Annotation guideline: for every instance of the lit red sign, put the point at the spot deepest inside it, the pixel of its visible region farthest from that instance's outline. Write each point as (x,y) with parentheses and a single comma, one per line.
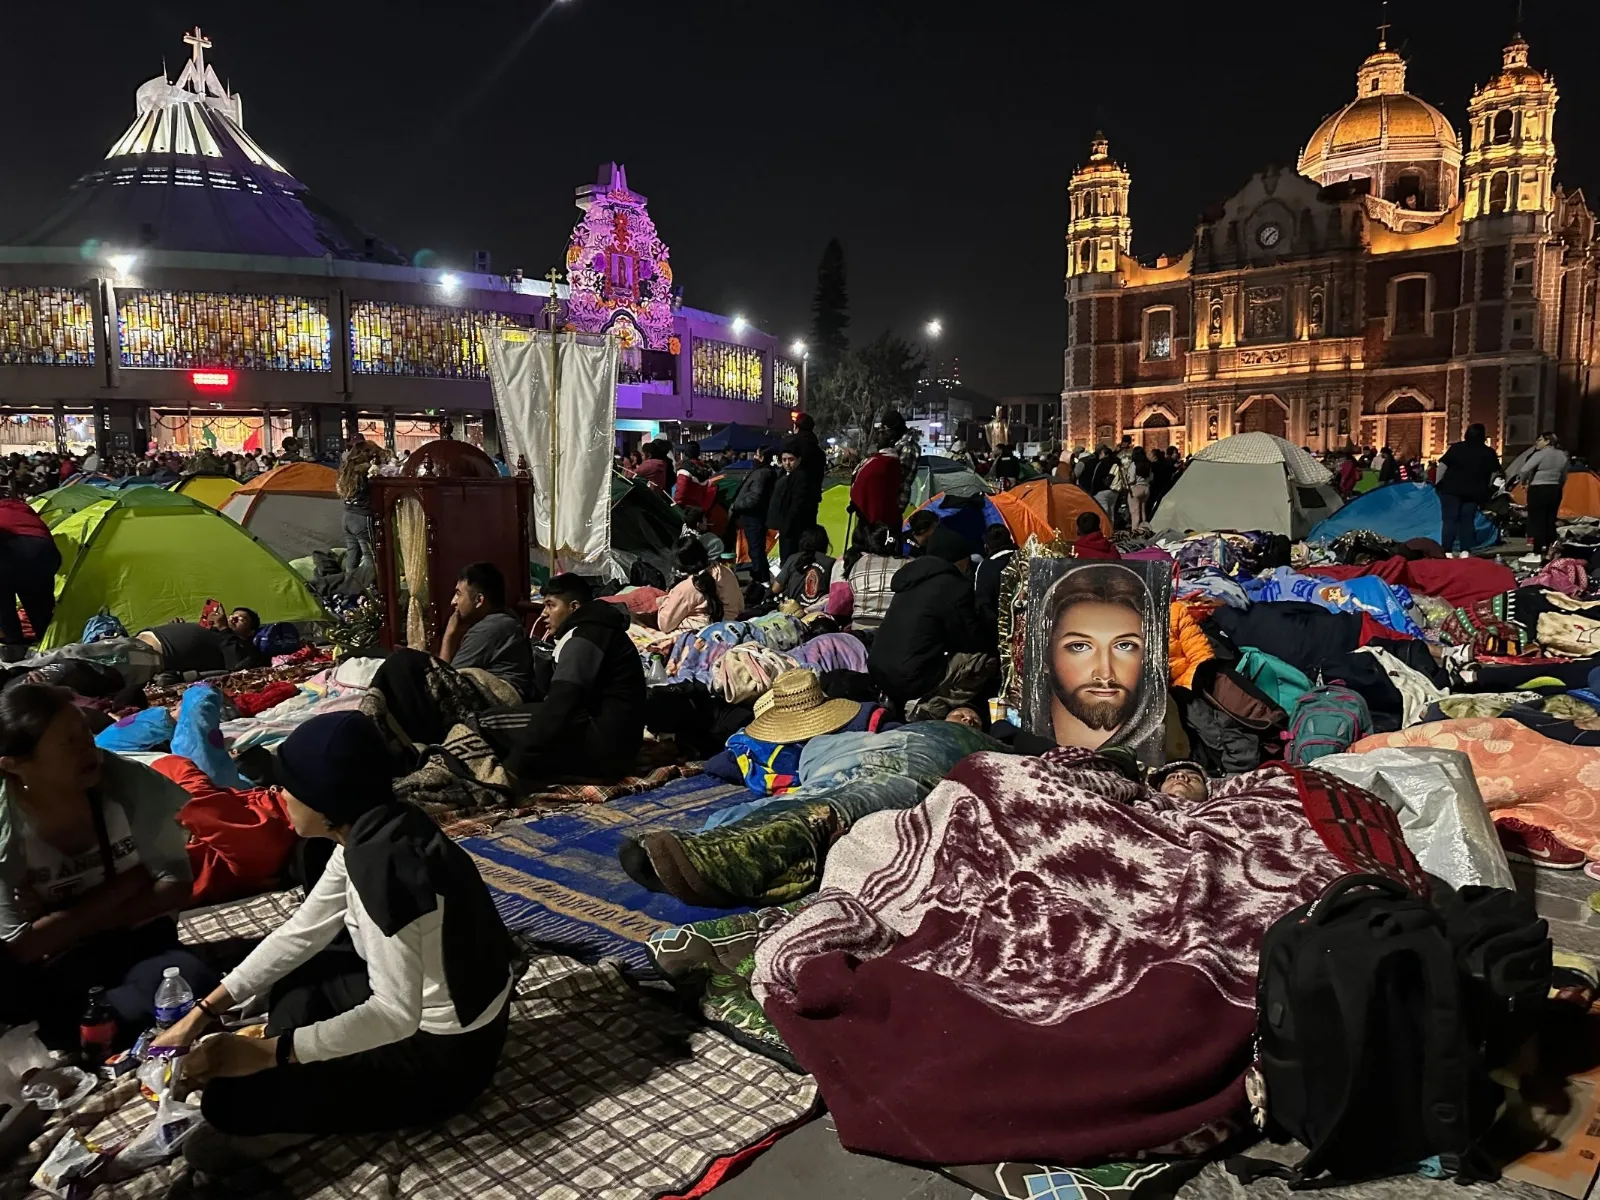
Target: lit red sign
(212,381)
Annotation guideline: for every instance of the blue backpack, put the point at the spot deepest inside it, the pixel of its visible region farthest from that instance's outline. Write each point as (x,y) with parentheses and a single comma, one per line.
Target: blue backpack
(1327,720)
(101,626)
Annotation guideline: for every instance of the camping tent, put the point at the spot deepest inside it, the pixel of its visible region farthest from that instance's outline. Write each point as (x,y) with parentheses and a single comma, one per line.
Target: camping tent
(1046,507)
(1399,512)
(953,477)
(293,508)
(740,438)
(56,506)
(211,490)
(150,556)
(1579,498)
(1040,508)
(1249,481)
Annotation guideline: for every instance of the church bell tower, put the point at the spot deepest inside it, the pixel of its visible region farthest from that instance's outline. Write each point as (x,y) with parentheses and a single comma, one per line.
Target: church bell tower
(1511,165)
(1099,229)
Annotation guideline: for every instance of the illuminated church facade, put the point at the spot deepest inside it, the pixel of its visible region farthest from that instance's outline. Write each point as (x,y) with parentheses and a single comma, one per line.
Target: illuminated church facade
(1399,286)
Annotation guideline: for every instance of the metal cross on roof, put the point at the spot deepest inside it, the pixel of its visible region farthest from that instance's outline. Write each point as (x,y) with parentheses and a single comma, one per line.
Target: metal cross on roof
(201,44)
(1383,28)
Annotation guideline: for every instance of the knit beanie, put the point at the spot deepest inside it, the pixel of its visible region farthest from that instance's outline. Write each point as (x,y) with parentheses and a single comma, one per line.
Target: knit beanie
(338,765)
(947,544)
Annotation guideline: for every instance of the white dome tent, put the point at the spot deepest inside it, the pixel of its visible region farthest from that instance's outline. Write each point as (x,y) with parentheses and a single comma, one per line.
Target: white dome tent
(1249,481)
(293,508)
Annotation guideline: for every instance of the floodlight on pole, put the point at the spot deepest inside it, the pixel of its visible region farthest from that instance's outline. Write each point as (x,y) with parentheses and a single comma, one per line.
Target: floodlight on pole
(798,349)
(740,324)
(934,328)
(123,263)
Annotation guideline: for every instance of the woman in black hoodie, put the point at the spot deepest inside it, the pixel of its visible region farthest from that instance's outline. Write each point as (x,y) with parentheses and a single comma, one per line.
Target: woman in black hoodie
(401,1025)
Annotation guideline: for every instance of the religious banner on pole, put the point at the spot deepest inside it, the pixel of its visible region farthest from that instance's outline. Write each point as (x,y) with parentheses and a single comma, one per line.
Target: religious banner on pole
(555,400)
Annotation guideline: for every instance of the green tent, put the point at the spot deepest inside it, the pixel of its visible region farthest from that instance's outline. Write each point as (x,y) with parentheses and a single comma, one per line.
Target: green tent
(152,556)
(642,521)
(57,505)
(833,515)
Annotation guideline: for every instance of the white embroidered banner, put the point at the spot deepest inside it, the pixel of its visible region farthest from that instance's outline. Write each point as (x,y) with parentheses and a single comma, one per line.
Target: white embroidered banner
(568,444)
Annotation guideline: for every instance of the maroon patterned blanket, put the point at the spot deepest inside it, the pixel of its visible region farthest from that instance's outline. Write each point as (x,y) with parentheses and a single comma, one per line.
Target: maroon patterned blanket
(1048,962)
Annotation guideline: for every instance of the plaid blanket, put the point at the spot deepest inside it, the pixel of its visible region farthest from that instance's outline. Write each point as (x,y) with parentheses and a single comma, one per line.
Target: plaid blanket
(559,797)
(602,1091)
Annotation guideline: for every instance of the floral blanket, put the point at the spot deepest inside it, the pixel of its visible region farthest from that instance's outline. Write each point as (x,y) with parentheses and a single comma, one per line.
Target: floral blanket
(1066,957)
(1521,773)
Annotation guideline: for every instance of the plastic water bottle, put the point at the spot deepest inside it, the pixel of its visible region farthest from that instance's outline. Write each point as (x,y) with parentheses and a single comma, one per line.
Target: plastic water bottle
(174,999)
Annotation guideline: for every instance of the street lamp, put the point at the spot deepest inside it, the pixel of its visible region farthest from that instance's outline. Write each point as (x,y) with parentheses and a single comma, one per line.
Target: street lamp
(450,283)
(798,349)
(123,263)
(934,328)
(740,324)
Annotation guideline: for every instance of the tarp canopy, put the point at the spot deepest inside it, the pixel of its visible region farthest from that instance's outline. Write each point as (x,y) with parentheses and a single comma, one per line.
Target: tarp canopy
(1579,498)
(56,506)
(152,556)
(1216,495)
(1399,512)
(293,508)
(935,474)
(211,490)
(740,438)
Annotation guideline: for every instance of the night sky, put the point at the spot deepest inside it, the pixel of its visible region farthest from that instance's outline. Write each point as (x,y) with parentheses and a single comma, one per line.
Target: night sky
(933,138)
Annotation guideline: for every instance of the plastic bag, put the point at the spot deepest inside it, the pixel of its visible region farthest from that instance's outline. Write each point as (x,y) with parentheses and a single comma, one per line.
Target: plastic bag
(1442,814)
(70,1161)
(161,1139)
(157,1074)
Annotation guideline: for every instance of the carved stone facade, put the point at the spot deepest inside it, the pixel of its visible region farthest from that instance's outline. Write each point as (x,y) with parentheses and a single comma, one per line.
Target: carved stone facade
(1361,301)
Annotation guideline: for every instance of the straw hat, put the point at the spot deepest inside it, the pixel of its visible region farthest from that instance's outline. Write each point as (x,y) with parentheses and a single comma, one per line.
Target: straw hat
(796,709)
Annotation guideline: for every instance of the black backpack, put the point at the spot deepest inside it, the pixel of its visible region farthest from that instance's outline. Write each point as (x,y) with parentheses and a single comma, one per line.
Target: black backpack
(1373,1015)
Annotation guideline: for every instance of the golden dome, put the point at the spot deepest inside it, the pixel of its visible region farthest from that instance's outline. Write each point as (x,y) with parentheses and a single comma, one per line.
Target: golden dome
(1383,117)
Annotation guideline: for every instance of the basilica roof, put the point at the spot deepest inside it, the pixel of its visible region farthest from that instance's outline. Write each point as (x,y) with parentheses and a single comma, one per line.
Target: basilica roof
(1384,121)
(185,176)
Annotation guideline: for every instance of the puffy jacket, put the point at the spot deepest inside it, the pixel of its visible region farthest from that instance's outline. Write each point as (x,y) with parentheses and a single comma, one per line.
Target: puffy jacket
(1469,471)
(754,494)
(931,617)
(1187,645)
(875,491)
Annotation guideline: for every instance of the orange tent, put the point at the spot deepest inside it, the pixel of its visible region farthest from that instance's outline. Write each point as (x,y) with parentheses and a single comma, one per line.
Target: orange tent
(1579,498)
(1046,507)
(293,508)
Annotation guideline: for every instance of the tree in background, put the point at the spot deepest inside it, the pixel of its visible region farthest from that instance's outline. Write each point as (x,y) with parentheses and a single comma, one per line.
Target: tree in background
(866,383)
(830,314)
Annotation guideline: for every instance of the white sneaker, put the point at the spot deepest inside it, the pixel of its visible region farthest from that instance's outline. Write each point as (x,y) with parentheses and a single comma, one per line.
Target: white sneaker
(1531,560)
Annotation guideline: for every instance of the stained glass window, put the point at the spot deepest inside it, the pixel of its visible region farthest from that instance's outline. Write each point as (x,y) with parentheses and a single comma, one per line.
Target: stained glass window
(416,339)
(724,371)
(214,329)
(785,383)
(45,326)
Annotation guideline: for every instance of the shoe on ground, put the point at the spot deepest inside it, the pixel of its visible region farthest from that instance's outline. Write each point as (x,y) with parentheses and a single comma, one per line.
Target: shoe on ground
(216,1153)
(1531,843)
(1531,560)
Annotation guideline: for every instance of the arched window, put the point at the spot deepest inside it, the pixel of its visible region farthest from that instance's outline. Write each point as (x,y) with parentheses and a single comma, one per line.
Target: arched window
(1499,190)
(1086,255)
(1501,130)
(1406,191)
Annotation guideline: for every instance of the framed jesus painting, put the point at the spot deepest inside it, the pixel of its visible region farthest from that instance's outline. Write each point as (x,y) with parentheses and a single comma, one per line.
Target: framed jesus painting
(1095,653)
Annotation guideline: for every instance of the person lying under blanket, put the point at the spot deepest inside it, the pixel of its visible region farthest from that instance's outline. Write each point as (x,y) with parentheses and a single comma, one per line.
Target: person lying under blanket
(400,1025)
(189,647)
(92,866)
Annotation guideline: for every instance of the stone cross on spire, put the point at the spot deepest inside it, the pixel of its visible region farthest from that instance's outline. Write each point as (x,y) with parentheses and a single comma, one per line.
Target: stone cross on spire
(201,44)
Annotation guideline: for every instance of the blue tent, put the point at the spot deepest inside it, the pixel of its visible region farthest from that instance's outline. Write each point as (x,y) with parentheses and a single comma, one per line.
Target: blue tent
(1399,512)
(740,438)
(969,516)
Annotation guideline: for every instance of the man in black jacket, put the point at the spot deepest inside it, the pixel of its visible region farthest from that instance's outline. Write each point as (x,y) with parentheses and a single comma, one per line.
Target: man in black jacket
(791,511)
(749,512)
(591,721)
(1465,485)
(929,656)
(998,550)
(813,465)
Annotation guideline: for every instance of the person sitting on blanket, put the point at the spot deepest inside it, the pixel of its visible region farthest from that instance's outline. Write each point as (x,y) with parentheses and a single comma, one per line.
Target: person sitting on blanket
(482,634)
(388,990)
(591,721)
(92,866)
(930,657)
(189,647)
(708,591)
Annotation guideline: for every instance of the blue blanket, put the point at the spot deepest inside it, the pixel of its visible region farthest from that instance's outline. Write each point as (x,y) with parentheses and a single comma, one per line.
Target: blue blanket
(557,879)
